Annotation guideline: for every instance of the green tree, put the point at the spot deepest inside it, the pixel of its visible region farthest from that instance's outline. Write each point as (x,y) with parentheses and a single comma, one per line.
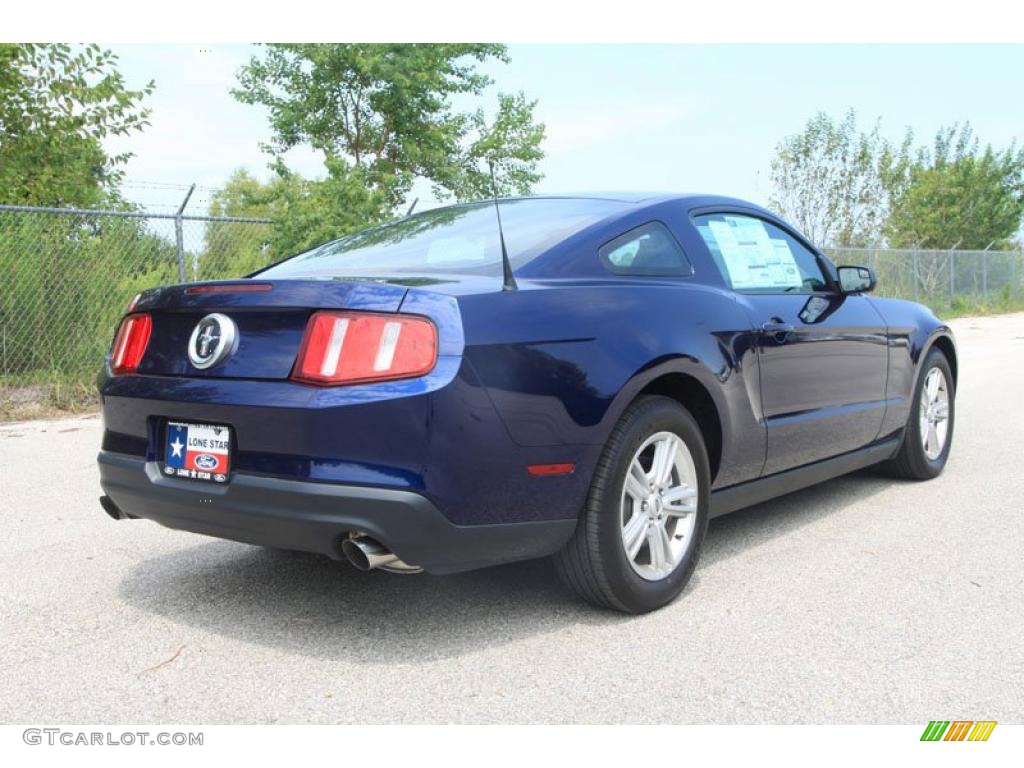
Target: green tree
(57,104)
(956,194)
(304,212)
(510,143)
(383,117)
(828,180)
(231,249)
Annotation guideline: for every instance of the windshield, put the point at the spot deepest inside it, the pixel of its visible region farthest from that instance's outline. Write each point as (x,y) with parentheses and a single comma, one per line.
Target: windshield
(456,240)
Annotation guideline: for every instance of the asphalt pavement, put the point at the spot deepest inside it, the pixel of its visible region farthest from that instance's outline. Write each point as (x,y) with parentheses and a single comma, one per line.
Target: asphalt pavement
(862,600)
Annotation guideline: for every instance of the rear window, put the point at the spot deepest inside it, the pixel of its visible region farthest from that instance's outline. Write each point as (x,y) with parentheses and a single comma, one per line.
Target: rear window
(456,240)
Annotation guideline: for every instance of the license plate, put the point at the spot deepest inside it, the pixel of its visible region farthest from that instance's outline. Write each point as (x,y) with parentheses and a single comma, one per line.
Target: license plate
(198,451)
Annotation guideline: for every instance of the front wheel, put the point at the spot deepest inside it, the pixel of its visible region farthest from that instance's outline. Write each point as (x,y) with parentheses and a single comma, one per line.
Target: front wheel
(929,432)
(639,536)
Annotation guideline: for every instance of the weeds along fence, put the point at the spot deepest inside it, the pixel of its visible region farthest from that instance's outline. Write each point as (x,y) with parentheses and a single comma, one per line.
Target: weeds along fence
(66,277)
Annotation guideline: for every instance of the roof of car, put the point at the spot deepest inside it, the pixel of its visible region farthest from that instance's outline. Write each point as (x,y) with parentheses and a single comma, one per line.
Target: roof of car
(641,199)
(696,199)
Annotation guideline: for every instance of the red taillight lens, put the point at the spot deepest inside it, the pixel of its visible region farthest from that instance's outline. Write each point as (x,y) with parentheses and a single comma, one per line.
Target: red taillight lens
(130,343)
(360,347)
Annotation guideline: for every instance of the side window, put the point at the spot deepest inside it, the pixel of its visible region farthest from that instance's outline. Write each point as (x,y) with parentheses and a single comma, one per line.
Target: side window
(757,256)
(649,250)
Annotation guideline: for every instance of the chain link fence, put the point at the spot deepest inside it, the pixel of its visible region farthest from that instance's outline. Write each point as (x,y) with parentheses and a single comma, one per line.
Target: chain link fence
(955,281)
(66,277)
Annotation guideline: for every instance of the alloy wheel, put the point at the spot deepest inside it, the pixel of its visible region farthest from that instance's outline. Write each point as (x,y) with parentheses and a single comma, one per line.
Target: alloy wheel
(659,506)
(934,413)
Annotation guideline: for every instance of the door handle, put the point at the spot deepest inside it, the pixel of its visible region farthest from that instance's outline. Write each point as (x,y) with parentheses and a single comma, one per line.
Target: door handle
(777,326)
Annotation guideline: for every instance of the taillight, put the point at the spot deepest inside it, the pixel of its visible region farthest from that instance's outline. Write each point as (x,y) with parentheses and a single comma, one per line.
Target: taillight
(360,347)
(130,343)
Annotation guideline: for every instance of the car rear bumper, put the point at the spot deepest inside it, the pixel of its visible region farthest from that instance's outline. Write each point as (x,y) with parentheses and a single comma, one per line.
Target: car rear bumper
(317,517)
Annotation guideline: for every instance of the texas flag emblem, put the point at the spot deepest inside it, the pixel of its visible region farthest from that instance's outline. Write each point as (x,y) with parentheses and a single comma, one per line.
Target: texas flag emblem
(199,451)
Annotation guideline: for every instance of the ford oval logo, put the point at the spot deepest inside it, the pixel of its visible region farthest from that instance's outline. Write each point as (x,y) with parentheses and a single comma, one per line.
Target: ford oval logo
(213,339)
(206,461)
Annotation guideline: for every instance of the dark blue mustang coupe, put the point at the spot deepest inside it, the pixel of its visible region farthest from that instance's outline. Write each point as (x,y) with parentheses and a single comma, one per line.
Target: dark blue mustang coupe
(589,377)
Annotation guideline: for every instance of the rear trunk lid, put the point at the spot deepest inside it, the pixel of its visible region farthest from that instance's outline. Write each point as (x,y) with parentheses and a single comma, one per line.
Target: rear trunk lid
(270,315)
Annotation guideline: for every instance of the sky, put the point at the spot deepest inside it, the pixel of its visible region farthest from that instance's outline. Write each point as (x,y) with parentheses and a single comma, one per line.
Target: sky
(680,118)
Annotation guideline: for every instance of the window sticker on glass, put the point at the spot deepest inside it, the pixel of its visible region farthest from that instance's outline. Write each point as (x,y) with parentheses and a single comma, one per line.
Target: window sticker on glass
(753,258)
(785,271)
(732,255)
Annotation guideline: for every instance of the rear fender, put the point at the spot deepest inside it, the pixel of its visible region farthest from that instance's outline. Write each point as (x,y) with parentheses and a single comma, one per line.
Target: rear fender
(737,409)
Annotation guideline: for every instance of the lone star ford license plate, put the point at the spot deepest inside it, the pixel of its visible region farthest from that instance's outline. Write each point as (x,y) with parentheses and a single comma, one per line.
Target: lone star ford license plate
(198,451)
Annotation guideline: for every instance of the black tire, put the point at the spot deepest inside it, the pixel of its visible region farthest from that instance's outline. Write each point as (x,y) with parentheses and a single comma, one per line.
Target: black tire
(912,462)
(594,563)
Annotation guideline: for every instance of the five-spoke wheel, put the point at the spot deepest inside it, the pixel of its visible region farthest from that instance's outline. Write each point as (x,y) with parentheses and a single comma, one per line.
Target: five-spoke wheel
(639,537)
(929,431)
(934,413)
(659,505)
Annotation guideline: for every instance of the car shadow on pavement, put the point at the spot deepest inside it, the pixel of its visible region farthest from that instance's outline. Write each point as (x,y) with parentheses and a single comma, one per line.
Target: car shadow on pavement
(311,605)
(747,529)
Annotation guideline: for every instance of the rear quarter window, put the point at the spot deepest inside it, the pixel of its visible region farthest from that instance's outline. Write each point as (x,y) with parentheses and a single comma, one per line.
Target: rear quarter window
(648,250)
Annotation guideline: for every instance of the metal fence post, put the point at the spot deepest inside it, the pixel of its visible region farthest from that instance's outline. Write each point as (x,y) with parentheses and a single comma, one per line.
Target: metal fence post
(984,269)
(952,271)
(179,234)
(1013,275)
(915,274)
(984,274)
(952,277)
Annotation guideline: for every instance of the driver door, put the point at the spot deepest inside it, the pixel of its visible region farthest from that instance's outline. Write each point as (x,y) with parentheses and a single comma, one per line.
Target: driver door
(823,354)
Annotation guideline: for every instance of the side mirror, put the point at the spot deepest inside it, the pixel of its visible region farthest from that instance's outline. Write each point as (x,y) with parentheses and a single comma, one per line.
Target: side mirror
(857,279)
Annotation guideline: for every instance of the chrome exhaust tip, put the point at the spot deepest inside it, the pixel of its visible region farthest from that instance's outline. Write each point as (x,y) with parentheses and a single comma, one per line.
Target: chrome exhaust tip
(368,554)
